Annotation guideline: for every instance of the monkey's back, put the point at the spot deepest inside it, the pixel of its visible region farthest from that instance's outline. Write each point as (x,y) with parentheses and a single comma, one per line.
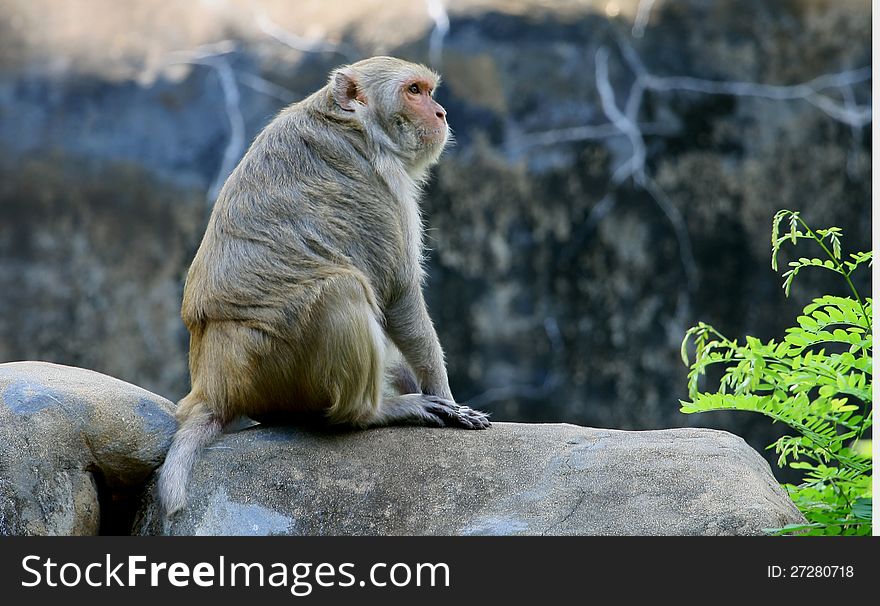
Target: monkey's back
(304,204)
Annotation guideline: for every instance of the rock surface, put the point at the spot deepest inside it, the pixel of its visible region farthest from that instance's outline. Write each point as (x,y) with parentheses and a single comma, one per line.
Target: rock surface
(513,479)
(70,440)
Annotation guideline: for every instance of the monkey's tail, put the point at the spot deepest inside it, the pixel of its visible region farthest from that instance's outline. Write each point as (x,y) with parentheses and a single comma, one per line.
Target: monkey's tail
(199,428)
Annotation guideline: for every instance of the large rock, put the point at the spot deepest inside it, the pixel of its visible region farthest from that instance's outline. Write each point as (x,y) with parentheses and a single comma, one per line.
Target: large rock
(70,440)
(511,479)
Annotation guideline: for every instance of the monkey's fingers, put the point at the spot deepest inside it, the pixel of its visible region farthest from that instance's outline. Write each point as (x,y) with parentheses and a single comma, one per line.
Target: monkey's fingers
(432,420)
(456,415)
(473,419)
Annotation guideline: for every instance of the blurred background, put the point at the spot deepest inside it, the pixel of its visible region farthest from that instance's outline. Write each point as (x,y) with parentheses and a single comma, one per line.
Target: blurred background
(616,169)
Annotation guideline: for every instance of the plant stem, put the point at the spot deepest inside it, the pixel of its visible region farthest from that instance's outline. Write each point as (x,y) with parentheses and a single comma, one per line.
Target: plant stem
(840,267)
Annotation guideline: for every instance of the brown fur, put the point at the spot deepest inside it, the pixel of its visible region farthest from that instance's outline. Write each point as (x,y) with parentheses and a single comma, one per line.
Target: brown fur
(306,290)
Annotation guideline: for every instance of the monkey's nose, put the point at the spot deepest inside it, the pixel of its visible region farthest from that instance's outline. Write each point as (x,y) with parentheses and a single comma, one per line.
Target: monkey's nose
(441,113)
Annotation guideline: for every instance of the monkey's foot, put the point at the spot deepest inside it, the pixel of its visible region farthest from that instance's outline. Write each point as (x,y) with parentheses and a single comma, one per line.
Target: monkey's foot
(456,415)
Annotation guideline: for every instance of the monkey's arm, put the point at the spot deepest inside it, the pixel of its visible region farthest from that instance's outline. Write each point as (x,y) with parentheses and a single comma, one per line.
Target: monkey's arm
(410,327)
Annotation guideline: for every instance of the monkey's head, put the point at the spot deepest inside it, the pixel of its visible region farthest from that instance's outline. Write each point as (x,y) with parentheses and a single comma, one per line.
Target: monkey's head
(393,100)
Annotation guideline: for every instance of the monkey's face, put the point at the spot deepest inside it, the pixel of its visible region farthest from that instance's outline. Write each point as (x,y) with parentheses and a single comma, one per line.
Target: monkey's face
(426,115)
(420,121)
(393,99)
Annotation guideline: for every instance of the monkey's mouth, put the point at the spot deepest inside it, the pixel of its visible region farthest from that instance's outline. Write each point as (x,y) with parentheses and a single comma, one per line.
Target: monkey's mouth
(433,136)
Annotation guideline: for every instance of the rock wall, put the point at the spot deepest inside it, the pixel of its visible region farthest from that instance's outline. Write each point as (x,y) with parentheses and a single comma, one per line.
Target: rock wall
(576,229)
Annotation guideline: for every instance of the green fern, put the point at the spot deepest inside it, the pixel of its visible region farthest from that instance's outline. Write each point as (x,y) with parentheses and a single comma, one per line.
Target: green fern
(817,380)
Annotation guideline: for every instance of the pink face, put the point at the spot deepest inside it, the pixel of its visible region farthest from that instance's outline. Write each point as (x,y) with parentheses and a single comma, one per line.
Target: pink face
(425,112)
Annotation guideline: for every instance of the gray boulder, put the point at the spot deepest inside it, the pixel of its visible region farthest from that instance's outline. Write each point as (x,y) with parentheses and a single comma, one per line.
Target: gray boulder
(513,479)
(67,435)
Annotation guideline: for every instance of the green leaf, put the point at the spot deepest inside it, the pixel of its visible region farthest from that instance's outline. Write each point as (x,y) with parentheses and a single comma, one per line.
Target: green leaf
(863,508)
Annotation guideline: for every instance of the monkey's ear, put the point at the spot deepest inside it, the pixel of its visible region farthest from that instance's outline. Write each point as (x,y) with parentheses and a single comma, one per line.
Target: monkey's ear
(345,91)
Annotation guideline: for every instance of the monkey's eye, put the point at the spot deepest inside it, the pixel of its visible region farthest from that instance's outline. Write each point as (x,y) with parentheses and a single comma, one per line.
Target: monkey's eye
(414,89)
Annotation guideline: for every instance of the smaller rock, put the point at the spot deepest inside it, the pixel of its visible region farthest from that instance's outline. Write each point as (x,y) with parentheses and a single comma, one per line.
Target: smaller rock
(65,434)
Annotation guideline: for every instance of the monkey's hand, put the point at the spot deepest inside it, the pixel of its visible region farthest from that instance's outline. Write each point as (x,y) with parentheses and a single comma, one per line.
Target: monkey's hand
(452,414)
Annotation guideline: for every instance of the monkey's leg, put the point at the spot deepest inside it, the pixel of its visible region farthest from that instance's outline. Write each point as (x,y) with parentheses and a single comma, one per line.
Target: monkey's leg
(403,401)
(349,365)
(342,350)
(428,410)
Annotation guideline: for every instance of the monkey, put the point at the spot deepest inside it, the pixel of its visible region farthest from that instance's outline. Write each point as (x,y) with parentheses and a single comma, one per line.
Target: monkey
(305,294)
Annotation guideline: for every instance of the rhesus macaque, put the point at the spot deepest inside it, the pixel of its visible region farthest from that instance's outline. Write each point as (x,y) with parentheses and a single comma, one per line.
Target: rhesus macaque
(306,288)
